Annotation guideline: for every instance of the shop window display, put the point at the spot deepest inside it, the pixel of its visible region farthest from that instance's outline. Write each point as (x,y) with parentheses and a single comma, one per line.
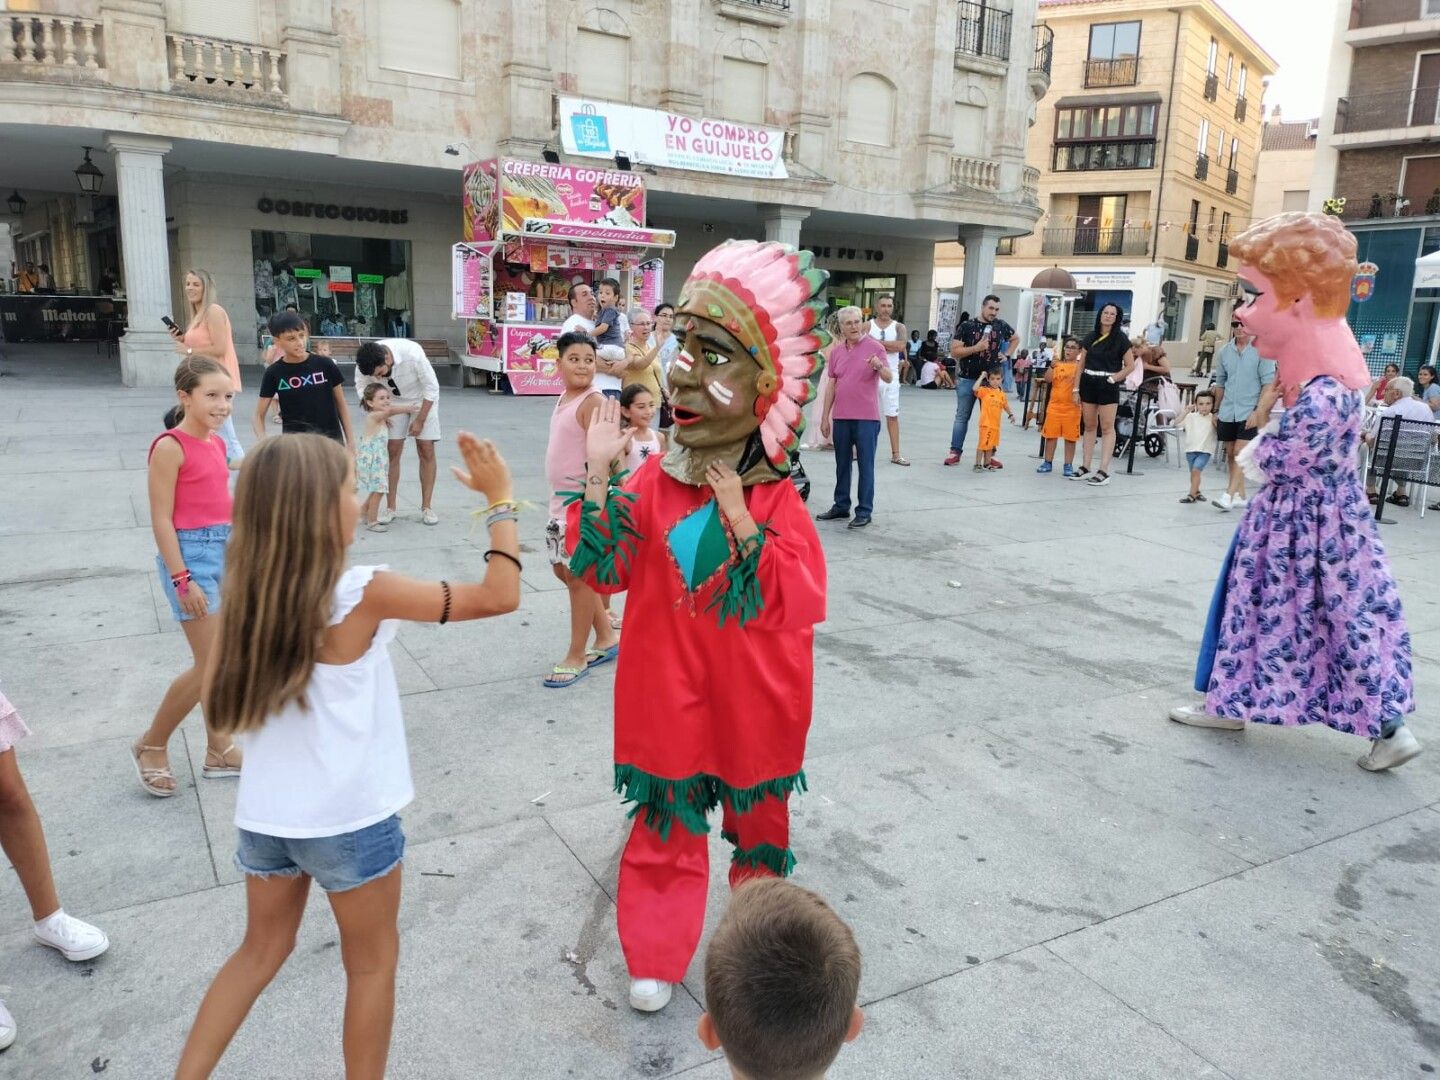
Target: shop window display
(342,286)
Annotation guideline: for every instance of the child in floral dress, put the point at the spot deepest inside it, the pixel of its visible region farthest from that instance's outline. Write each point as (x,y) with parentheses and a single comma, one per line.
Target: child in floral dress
(372,457)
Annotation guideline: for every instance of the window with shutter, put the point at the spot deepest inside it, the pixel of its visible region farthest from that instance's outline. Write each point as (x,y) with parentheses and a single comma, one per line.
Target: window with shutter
(969,130)
(229,20)
(742,90)
(421,37)
(870,110)
(602,65)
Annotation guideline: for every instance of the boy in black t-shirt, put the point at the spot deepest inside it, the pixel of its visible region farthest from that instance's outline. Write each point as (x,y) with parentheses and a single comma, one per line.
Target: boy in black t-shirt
(310,388)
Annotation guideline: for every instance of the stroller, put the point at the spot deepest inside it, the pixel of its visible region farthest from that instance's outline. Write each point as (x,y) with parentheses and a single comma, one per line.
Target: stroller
(1146,413)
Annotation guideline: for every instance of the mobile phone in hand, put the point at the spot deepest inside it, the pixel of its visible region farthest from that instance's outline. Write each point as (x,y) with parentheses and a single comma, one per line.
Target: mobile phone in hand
(170,324)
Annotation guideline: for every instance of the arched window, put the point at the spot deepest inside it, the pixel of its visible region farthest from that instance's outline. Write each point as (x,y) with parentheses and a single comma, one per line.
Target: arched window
(870,110)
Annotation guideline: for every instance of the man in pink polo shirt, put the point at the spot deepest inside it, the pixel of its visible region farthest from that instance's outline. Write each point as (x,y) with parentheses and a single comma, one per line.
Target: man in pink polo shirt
(855,368)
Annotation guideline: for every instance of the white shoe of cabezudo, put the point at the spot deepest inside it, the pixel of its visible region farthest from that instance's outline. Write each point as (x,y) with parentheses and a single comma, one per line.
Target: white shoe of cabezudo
(649,995)
(1198,717)
(1384,754)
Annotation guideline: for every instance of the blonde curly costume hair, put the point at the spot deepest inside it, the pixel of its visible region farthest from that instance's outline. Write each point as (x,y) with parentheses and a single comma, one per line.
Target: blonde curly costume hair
(1303,255)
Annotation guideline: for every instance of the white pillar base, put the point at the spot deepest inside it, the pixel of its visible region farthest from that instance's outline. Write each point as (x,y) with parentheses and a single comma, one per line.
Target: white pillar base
(148,358)
(782,223)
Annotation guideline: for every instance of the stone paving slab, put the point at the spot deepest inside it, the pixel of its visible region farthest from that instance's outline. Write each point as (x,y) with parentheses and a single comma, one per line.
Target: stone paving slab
(1027,849)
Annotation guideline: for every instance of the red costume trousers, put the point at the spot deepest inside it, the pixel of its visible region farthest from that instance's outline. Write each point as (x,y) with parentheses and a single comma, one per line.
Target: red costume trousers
(663,883)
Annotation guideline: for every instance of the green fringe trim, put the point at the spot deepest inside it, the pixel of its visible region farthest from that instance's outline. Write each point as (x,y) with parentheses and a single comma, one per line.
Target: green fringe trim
(596,550)
(779,861)
(663,802)
(740,596)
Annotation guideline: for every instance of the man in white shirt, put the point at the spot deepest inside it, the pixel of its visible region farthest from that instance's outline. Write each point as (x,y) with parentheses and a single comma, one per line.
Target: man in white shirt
(1400,400)
(891,336)
(583,309)
(1155,332)
(404,367)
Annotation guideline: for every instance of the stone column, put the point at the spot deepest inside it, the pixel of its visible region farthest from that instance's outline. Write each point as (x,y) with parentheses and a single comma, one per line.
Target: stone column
(681,92)
(979,242)
(782,223)
(147,351)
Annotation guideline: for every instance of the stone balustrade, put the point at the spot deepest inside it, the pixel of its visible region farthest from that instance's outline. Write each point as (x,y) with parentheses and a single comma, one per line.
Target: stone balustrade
(977,173)
(226,69)
(32,44)
(1031,185)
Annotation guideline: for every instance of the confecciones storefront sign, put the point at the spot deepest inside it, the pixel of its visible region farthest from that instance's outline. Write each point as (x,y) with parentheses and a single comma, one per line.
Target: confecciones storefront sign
(332,211)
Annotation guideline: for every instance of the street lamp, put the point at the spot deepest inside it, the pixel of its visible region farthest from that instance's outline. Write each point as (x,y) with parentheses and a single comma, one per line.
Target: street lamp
(91,178)
(16,203)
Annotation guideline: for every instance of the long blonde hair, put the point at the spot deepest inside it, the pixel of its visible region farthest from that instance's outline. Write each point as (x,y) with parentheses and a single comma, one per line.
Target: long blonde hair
(208,294)
(286,554)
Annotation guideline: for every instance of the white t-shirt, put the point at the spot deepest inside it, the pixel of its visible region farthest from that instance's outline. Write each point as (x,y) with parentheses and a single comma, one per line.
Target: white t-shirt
(928,371)
(1411,408)
(1199,434)
(341,765)
(603,380)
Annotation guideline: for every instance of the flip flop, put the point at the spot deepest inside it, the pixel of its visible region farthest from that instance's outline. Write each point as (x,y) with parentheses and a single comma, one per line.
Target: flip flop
(575,673)
(596,657)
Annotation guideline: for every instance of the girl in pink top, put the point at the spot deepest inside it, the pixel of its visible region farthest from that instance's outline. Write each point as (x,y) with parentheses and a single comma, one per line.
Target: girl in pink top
(565,471)
(207,334)
(190,514)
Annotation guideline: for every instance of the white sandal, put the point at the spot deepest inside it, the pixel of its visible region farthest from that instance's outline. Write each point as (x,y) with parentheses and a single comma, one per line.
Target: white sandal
(224,769)
(149,776)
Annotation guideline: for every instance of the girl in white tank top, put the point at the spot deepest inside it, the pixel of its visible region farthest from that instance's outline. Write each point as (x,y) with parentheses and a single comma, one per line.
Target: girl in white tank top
(637,410)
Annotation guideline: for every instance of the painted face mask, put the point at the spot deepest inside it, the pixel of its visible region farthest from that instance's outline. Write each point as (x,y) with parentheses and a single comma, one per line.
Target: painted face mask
(750,337)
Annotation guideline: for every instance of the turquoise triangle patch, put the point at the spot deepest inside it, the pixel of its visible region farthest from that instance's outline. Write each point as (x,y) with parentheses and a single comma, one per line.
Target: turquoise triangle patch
(699,545)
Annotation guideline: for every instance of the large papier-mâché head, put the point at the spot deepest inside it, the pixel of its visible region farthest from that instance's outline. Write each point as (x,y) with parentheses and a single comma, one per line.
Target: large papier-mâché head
(749,325)
(1298,270)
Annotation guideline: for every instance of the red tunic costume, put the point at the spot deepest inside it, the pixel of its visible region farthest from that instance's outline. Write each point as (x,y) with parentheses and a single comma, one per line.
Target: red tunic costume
(714,685)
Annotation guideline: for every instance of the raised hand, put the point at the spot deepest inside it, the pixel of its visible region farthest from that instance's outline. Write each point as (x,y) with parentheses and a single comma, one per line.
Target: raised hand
(485,470)
(605,439)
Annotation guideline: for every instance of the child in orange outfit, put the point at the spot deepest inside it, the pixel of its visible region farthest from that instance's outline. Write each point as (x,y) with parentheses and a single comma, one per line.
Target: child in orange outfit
(1062,414)
(992,402)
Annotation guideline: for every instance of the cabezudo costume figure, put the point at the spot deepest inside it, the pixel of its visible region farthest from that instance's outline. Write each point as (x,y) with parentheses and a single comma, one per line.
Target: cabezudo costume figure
(1305,626)
(726,581)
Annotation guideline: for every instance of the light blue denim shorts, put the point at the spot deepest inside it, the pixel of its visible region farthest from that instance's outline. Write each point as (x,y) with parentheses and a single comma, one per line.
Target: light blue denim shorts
(204,553)
(1197,460)
(337,863)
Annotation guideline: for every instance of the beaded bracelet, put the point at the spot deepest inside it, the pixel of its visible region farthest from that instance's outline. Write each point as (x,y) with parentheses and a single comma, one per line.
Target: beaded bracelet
(181,583)
(504,555)
(502,515)
(445,611)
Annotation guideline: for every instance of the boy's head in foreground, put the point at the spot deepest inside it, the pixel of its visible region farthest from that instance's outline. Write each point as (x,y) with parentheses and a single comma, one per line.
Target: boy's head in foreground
(782,977)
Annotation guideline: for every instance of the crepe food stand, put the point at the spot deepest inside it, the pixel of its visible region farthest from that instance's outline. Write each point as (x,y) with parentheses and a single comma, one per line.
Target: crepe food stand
(532,230)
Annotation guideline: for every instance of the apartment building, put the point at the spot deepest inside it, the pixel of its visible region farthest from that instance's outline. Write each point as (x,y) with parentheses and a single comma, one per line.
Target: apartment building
(1378,152)
(236,136)
(1285,166)
(1146,144)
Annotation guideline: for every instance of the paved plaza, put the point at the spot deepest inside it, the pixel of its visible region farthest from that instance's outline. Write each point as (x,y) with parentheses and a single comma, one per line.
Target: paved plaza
(1047,878)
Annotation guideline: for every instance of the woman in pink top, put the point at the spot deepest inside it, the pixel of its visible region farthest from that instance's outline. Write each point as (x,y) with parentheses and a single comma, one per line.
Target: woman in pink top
(565,471)
(190,515)
(207,334)
(855,367)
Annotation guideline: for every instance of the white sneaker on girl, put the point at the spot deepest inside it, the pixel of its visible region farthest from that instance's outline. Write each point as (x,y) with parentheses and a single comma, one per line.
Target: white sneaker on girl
(7,1027)
(72,938)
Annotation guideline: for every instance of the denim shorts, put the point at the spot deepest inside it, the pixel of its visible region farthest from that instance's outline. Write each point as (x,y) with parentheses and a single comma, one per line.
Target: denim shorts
(204,553)
(1197,460)
(336,863)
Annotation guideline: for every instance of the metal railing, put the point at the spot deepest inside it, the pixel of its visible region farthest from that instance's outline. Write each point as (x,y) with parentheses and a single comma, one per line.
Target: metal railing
(1044,50)
(1122,72)
(1212,86)
(1192,248)
(982,30)
(1202,166)
(1094,240)
(1417,107)
(1222,255)
(1232,181)
(978,173)
(772,5)
(228,68)
(54,43)
(1367,13)
(1241,107)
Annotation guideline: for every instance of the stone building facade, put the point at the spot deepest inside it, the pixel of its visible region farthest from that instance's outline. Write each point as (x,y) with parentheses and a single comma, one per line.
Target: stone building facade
(904,124)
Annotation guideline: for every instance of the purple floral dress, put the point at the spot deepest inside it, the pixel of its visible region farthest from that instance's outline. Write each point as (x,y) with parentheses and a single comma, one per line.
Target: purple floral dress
(1311,629)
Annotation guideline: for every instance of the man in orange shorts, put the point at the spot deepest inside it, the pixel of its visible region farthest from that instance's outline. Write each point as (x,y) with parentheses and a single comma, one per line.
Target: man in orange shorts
(1062,414)
(992,401)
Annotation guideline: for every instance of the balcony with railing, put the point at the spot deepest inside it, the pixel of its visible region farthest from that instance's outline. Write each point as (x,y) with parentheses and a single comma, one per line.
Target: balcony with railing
(1232,181)
(1241,108)
(1222,255)
(1202,167)
(1030,185)
(981,31)
(1044,51)
(978,174)
(1212,86)
(1378,119)
(760,12)
(57,48)
(1096,240)
(226,70)
(1192,248)
(1372,14)
(1124,71)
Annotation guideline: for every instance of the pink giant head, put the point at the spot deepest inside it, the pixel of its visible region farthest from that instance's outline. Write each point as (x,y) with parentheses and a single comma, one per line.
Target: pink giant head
(1301,266)
(749,325)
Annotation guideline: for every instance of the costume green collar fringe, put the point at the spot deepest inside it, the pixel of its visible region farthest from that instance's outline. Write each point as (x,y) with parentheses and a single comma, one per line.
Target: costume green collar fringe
(663,802)
(779,861)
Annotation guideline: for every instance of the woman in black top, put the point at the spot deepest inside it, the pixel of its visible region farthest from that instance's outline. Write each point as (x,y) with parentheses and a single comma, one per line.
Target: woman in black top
(1105,362)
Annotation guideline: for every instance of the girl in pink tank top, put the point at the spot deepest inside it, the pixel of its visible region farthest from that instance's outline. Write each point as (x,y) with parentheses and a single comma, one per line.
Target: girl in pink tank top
(190,515)
(565,471)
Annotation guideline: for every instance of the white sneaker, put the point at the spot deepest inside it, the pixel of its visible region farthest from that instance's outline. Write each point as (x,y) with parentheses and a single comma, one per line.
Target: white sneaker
(385,516)
(429,517)
(1390,753)
(649,995)
(1198,717)
(1239,502)
(378,526)
(1224,502)
(72,938)
(7,1027)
